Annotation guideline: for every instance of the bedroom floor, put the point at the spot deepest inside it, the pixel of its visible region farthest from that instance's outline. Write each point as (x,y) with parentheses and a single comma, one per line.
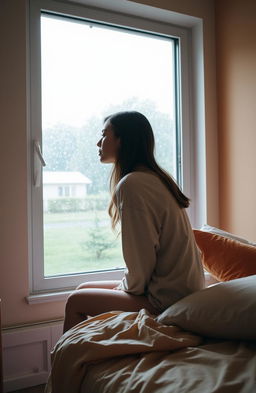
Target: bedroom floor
(33,389)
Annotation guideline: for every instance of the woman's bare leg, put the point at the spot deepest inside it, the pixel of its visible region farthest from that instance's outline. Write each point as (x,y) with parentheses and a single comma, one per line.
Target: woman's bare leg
(109,284)
(90,300)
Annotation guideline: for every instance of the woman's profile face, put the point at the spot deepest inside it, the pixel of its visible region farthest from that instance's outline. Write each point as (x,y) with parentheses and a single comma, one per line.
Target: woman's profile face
(108,144)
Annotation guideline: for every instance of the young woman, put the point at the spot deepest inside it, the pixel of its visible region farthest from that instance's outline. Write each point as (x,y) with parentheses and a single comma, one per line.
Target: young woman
(162,259)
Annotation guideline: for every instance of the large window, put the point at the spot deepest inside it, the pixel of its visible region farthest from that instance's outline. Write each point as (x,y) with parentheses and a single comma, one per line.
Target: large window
(84,69)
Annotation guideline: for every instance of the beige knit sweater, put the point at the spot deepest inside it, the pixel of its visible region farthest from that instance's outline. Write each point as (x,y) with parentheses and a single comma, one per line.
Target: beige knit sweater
(162,259)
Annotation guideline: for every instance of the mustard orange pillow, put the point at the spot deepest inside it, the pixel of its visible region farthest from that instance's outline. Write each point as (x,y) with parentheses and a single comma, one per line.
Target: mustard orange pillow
(225,259)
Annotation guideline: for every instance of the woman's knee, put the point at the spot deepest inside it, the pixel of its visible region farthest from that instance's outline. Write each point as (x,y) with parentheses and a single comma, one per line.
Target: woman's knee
(79,301)
(91,284)
(109,284)
(73,302)
(84,285)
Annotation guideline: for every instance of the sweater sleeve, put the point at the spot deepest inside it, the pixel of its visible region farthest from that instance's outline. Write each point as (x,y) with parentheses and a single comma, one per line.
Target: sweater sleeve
(140,240)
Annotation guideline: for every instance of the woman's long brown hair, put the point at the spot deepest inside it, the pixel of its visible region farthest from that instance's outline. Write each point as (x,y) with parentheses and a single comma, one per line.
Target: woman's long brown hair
(136,150)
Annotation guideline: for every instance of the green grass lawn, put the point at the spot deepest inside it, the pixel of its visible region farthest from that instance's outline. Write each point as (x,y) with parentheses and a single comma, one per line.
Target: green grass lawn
(66,243)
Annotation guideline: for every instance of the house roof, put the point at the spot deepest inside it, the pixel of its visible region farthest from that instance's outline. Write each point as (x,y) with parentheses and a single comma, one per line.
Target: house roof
(65,178)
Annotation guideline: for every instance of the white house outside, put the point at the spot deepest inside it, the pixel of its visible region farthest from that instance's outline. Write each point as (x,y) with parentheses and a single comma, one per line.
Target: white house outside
(58,185)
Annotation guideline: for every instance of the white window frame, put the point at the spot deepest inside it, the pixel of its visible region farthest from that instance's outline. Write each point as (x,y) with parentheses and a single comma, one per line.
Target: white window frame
(39,283)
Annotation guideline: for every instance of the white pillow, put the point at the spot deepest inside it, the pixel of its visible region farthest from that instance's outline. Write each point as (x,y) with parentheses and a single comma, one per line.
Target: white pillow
(225,310)
(217,231)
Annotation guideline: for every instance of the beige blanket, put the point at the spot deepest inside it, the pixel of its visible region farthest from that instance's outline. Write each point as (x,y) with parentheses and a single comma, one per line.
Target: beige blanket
(215,366)
(108,336)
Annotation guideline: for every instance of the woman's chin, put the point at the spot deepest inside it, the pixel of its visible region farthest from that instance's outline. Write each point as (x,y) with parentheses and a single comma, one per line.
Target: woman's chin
(105,160)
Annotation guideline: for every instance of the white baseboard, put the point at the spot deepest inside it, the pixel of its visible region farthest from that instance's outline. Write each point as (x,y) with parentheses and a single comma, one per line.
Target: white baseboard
(26,354)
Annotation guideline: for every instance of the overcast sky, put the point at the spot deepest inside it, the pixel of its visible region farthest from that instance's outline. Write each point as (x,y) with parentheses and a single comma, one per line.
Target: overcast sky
(86,68)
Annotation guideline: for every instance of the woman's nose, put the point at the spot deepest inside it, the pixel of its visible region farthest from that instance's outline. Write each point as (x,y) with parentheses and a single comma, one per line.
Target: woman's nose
(99,143)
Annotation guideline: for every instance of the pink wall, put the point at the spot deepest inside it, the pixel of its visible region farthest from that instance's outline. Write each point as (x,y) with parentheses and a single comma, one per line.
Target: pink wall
(14,278)
(236,71)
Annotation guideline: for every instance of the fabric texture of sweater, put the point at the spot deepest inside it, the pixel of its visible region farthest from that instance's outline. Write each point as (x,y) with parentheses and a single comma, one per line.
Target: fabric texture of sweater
(159,249)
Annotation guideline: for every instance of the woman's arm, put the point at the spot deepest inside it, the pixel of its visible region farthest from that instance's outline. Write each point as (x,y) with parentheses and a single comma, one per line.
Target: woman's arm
(139,243)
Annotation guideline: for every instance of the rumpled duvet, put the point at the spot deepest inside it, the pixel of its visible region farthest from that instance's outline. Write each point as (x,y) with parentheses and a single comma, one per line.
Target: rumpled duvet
(109,336)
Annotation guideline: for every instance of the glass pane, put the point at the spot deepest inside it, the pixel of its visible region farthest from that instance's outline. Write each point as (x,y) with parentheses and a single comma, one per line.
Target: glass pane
(88,72)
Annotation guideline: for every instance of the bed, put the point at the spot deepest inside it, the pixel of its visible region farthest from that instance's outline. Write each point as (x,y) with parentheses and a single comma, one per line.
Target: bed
(206,342)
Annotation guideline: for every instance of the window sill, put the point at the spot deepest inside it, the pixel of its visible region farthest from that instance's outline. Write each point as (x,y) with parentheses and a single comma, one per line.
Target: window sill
(48,297)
